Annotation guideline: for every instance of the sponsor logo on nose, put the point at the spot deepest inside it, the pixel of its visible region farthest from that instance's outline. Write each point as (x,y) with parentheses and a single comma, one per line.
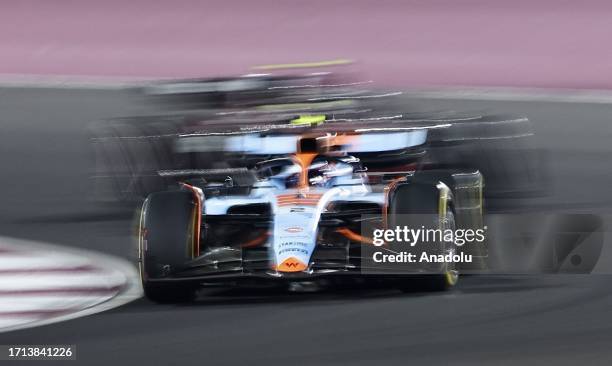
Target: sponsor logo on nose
(291,264)
(294,229)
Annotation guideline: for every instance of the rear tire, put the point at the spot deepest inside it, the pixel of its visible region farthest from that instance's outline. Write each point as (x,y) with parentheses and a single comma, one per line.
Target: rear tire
(434,282)
(166,242)
(421,202)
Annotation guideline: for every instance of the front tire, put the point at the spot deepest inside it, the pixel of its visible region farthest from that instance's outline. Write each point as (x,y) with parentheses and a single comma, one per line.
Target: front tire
(166,240)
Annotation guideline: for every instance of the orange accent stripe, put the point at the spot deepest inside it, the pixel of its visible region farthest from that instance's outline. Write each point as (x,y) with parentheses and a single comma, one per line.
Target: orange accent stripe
(198,219)
(298,197)
(305,195)
(351,235)
(298,204)
(257,241)
(300,200)
(304,160)
(387,190)
(308,199)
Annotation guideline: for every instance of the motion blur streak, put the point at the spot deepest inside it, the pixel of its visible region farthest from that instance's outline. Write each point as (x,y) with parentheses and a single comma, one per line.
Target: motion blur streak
(543,43)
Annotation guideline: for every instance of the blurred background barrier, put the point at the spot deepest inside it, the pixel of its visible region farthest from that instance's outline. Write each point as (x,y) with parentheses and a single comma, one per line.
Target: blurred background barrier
(523,43)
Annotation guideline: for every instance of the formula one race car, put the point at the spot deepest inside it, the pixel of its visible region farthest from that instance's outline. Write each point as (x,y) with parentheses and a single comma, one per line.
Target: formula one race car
(305,211)
(288,178)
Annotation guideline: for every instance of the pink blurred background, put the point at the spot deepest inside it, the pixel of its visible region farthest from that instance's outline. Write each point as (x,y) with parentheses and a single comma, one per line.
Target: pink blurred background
(524,43)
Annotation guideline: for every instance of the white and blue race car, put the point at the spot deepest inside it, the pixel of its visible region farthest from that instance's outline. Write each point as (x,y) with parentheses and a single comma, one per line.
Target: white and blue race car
(306,210)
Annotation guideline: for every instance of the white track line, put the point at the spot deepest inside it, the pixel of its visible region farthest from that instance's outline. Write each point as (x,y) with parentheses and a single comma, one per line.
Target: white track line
(17,323)
(43,283)
(19,260)
(104,279)
(51,303)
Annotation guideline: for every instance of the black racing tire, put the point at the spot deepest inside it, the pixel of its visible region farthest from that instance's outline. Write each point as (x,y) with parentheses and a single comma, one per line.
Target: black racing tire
(169,293)
(433,282)
(166,239)
(420,201)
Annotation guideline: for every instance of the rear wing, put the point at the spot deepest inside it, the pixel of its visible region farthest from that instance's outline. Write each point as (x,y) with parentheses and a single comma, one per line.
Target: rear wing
(373,140)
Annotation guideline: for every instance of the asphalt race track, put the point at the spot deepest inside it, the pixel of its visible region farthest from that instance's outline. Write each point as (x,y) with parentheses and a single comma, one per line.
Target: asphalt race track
(45,162)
